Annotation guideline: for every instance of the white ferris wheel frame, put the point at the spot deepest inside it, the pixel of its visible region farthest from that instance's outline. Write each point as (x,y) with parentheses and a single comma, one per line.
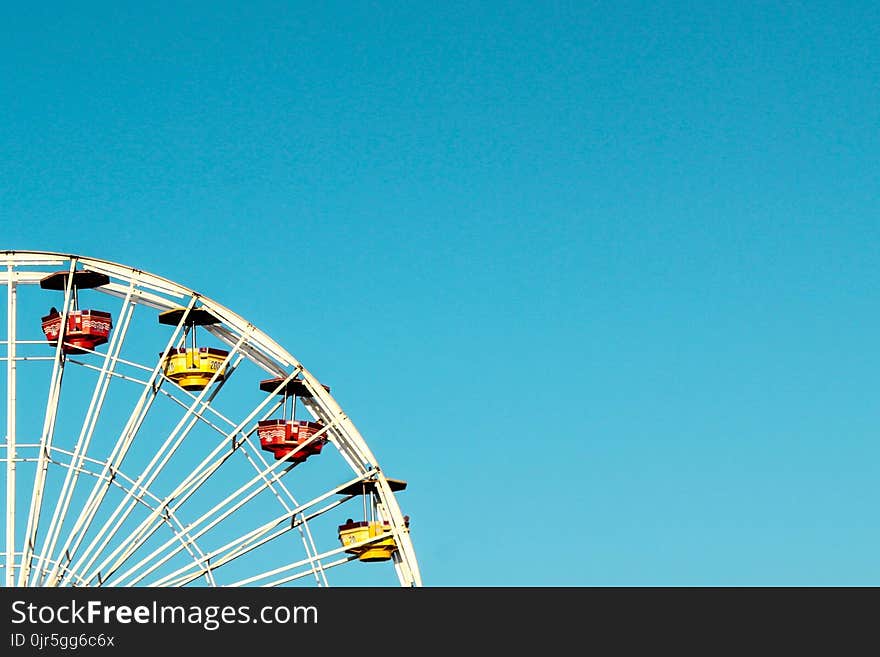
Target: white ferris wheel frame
(65,560)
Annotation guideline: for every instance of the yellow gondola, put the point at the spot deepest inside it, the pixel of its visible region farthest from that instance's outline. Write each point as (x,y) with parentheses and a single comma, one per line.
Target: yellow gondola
(192,367)
(353,533)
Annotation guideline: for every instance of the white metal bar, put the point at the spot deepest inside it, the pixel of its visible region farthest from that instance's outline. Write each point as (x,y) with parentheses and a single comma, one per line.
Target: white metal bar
(113,478)
(120,449)
(223,516)
(355,461)
(28,258)
(304,531)
(153,468)
(197,414)
(170,518)
(168,394)
(47,434)
(202,472)
(240,546)
(140,566)
(296,564)
(21,359)
(405,563)
(21,342)
(21,277)
(205,406)
(305,573)
(10,427)
(123,361)
(89,423)
(116,375)
(256,356)
(234,549)
(191,483)
(150,281)
(140,297)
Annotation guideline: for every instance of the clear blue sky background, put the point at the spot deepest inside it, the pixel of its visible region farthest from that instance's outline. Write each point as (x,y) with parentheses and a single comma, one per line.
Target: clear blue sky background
(598,279)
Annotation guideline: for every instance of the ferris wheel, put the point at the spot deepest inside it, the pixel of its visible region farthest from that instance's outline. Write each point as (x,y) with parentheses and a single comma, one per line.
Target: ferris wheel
(156,438)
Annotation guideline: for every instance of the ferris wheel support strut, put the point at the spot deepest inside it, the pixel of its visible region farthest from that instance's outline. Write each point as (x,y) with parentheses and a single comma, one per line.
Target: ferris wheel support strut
(199,475)
(202,473)
(88,428)
(305,532)
(404,558)
(120,449)
(249,542)
(213,511)
(233,548)
(47,435)
(120,480)
(10,427)
(152,470)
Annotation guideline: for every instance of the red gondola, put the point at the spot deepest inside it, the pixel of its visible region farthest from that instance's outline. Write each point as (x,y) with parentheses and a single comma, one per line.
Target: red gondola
(281,437)
(85,329)
(290,438)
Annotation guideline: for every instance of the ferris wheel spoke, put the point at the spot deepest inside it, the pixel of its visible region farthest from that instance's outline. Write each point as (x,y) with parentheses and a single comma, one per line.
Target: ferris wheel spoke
(354,459)
(261,466)
(125,484)
(210,562)
(47,434)
(88,428)
(227,553)
(251,541)
(141,565)
(252,581)
(266,527)
(192,547)
(120,449)
(121,481)
(305,573)
(308,540)
(404,557)
(218,456)
(190,484)
(144,383)
(256,355)
(119,360)
(228,506)
(204,406)
(153,469)
(11,455)
(236,506)
(199,414)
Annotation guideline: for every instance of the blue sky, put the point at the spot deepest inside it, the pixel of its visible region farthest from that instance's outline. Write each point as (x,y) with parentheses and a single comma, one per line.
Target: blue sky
(597,279)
